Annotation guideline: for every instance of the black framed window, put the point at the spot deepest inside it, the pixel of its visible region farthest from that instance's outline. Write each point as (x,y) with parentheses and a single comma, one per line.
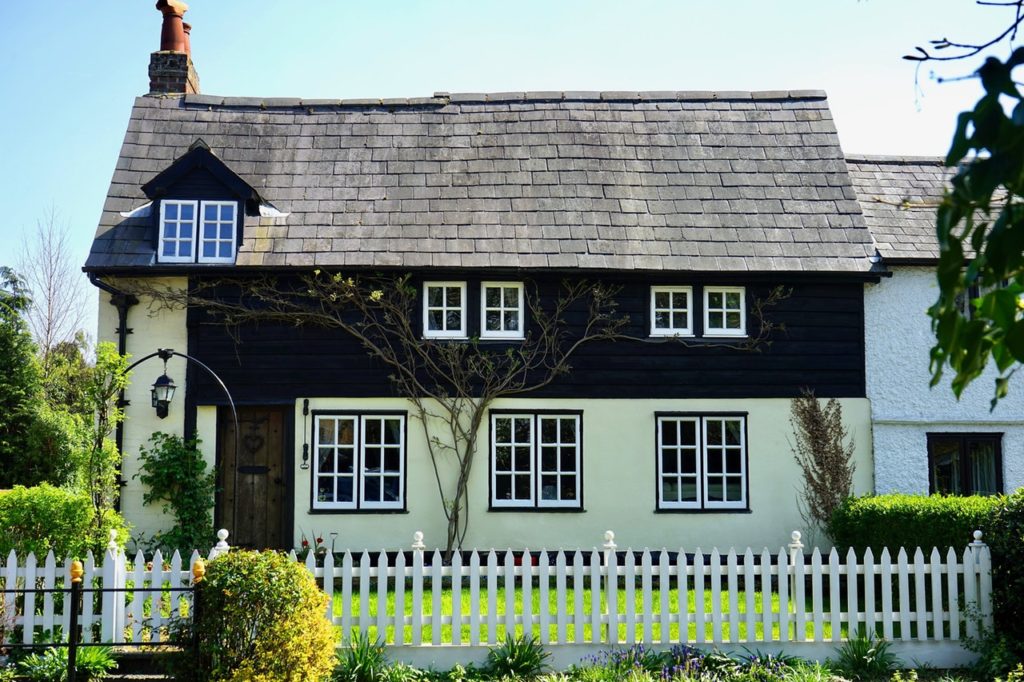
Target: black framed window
(359,461)
(965,463)
(536,460)
(701,461)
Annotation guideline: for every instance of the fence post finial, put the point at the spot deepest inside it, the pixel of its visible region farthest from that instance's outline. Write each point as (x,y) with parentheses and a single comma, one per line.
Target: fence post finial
(978,542)
(77,571)
(112,542)
(417,541)
(609,540)
(198,571)
(222,545)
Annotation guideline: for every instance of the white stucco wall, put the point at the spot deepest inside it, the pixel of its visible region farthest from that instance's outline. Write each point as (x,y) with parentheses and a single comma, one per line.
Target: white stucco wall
(151,330)
(618,485)
(904,410)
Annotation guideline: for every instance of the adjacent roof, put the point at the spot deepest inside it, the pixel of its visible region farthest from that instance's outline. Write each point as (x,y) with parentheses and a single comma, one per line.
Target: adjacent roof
(899,196)
(700,181)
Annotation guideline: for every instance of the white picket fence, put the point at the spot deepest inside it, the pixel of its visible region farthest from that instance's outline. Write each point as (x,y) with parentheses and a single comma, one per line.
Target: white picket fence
(577,602)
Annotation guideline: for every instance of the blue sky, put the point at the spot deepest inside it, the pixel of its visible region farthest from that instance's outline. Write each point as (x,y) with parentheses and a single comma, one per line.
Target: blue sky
(71,70)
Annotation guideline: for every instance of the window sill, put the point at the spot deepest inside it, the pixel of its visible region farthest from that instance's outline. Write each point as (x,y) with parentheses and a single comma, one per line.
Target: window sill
(537,510)
(745,510)
(356,511)
(726,336)
(672,335)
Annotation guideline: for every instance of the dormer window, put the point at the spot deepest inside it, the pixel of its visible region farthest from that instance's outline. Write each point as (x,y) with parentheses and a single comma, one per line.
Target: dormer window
(213,241)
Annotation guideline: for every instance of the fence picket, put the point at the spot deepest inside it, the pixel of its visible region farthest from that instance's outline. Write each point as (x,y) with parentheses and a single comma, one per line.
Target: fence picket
(985,586)
(903,572)
(887,615)
(401,573)
(733,586)
(750,589)
(800,599)
(630,596)
(970,594)
(49,582)
(436,582)
(936,601)
(646,605)
(492,597)
(10,585)
(783,568)
(509,584)
(611,583)
(816,595)
(156,585)
(699,596)
(138,580)
(683,601)
(328,583)
(382,596)
(474,599)
(457,598)
(664,592)
(952,595)
(562,617)
(715,567)
(920,604)
(766,597)
(595,597)
(870,622)
(852,607)
(364,593)
(834,599)
(346,596)
(543,585)
(176,582)
(65,582)
(526,566)
(579,617)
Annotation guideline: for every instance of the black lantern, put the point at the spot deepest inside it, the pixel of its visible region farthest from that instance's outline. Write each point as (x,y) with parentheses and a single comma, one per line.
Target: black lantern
(162,391)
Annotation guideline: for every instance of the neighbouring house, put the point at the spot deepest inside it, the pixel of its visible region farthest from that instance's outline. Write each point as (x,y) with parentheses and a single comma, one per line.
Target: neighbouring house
(924,441)
(697,204)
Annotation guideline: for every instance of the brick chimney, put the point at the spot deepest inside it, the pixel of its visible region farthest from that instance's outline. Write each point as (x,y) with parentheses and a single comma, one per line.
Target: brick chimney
(171,71)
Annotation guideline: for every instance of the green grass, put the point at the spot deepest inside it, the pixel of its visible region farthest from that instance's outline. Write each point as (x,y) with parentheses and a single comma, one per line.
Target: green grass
(388,635)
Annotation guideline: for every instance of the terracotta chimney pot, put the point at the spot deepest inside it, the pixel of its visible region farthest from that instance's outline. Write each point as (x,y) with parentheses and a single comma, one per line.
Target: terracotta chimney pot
(187,27)
(172,33)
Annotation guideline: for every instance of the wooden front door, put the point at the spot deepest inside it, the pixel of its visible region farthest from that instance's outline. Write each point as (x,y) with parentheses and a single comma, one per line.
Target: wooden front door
(253,479)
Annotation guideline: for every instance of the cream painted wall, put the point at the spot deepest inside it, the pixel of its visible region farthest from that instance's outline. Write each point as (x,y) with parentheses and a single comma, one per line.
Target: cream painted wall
(151,330)
(618,485)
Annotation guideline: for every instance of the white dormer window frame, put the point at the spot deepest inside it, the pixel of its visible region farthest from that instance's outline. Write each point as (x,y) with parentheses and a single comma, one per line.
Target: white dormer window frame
(505,311)
(444,308)
(722,312)
(175,225)
(218,238)
(172,231)
(670,312)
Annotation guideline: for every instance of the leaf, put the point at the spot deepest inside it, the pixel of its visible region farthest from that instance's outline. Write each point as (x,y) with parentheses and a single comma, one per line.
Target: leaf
(961,144)
(1014,340)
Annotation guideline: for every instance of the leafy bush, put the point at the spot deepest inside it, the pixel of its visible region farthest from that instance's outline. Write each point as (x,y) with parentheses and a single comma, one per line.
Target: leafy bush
(175,473)
(897,520)
(45,518)
(517,657)
(260,616)
(866,658)
(91,663)
(1005,538)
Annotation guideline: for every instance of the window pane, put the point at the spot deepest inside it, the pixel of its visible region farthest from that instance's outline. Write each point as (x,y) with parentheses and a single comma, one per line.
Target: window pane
(225,231)
(171,211)
(568,459)
(503,458)
(714,428)
(325,463)
(715,462)
(503,487)
(188,212)
(732,320)
(392,431)
(209,249)
(716,490)
(522,459)
(503,430)
(511,297)
(669,432)
(549,487)
(345,490)
(226,250)
(346,431)
(325,431)
(661,320)
(732,300)
(170,230)
(548,431)
(670,462)
(453,296)
(512,321)
(435,296)
(435,320)
(734,489)
(392,460)
(679,300)
(210,213)
(732,432)
(982,458)
(714,299)
(523,430)
(371,489)
(168,248)
(946,466)
(373,434)
(689,458)
(549,459)
(661,299)
(522,487)
(371,459)
(689,429)
(688,491)
(492,297)
(679,320)
(568,427)
(733,461)
(670,489)
(184,248)
(568,491)
(185,230)
(325,489)
(453,320)
(492,321)
(346,461)
(392,489)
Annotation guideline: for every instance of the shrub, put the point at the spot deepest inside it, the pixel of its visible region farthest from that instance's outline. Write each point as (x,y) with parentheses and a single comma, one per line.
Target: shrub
(175,473)
(1005,538)
(260,616)
(363,660)
(91,663)
(866,658)
(517,657)
(45,518)
(897,520)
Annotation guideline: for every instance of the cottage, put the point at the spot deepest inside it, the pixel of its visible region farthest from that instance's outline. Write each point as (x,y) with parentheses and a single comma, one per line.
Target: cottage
(695,206)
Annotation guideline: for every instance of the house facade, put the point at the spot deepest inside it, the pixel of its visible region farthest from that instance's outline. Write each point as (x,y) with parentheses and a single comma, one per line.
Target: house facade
(924,441)
(694,206)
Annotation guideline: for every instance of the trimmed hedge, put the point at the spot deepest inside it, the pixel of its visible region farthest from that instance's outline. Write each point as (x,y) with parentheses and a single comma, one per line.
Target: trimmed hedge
(44,518)
(1005,538)
(910,521)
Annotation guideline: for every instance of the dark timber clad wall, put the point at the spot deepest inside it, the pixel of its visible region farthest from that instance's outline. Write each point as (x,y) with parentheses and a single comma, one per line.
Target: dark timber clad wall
(821,348)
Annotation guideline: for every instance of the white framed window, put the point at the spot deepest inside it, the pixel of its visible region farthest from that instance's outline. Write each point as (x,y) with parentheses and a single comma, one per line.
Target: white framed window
(725,311)
(359,461)
(217,231)
(536,460)
(702,462)
(197,231)
(671,311)
(444,310)
(177,231)
(501,310)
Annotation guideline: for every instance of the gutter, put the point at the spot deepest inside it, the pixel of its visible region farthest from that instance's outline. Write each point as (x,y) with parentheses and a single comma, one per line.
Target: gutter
(122,302)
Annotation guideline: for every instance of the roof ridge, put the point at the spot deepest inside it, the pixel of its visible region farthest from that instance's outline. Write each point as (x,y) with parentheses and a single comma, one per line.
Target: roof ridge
(442,98)
(893,159)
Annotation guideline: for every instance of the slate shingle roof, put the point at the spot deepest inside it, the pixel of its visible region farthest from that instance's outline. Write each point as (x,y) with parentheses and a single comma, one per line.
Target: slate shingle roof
(728,181)
(899,197)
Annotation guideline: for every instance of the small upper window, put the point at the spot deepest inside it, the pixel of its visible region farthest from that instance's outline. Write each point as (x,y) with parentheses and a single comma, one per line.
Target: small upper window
(444,310)
(670,311)
(502,310)
(725,311)
(965,464)
(202,231)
